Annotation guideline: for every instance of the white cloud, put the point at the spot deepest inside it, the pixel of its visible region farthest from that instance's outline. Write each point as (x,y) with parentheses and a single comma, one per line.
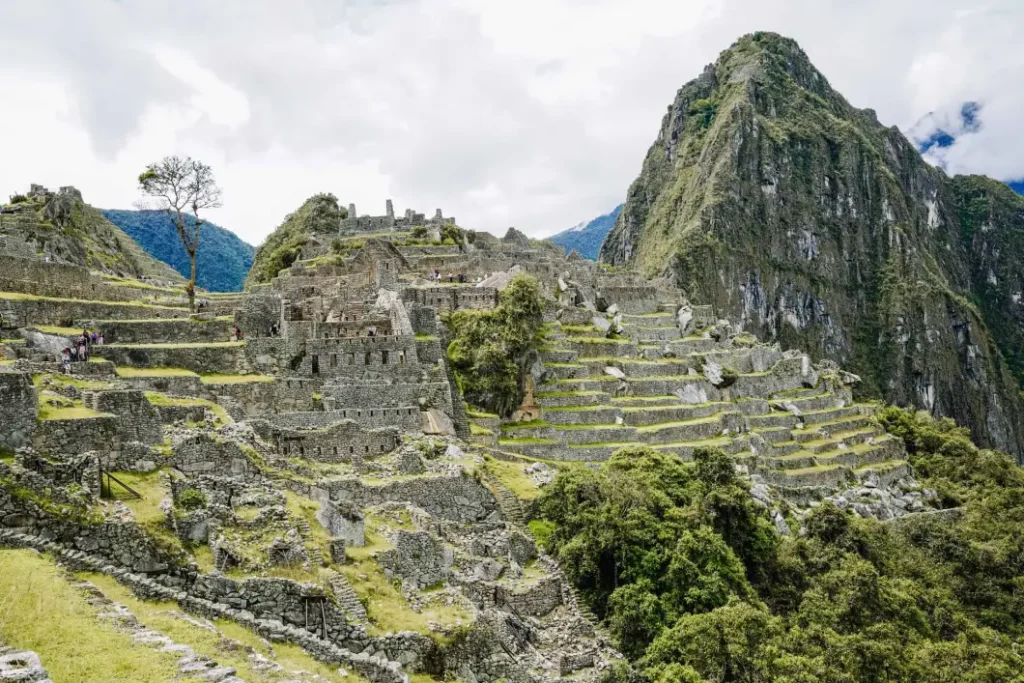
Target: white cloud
(535,114)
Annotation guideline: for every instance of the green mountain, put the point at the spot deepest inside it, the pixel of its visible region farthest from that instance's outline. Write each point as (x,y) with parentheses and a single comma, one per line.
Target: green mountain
(64,229)
(769,196)
(586,238)
(223,260)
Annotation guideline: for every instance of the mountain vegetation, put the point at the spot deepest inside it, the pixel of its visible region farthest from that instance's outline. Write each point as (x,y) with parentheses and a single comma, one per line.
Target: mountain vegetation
(222,262)
(586,238)
(767,195)
(697,585)
(318,215)
(492,351)
(65,229)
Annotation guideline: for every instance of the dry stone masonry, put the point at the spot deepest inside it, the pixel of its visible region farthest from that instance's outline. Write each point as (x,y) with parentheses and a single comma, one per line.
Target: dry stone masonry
(320,480)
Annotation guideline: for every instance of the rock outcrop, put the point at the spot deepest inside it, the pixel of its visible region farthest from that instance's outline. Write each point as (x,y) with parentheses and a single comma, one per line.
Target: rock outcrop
(768,196)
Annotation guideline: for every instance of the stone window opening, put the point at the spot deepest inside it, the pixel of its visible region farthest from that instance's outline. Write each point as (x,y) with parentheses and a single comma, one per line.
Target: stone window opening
(351,449)
(367,449)
(382,448)
(371,413)
(401,357)
(334,360)
(335,450)
(383,357)
(367,359)
(350,359)
(316,365)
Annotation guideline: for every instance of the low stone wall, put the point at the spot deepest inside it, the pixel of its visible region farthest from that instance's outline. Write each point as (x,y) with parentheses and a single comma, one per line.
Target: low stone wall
(207,455)
(460,498)
(100,434)
(229,358)
(75,313)
(341,441)
(165,331)
(137,419)
(536,601)
(417,558)
(18,409)
(294,394)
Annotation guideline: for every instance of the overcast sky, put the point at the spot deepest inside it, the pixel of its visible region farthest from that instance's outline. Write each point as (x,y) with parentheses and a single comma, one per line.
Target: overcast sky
(532,113)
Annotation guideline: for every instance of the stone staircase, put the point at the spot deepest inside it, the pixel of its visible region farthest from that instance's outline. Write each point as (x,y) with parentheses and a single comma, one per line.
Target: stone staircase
(316,557)
(347,598)
(510,506)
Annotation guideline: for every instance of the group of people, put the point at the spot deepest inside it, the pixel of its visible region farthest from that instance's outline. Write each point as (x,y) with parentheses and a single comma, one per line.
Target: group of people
(80,350)
(452,277)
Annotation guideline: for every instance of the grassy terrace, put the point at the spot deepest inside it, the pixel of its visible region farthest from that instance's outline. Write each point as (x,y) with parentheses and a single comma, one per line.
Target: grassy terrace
(52,412)
(526,441)
(681,423)
(558,394)
(158,399)
(169,619)
(427,338)
(154,372)
(598,340)
(18,296)
(220,318)
(645,399)
(41,611)
(60,331)
(184,345)
(217,378)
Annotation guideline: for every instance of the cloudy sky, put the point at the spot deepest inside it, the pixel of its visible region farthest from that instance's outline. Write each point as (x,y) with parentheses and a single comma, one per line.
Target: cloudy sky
(534,113)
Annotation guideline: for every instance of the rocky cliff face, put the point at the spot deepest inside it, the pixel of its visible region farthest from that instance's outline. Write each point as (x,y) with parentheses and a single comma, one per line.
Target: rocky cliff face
(767,195)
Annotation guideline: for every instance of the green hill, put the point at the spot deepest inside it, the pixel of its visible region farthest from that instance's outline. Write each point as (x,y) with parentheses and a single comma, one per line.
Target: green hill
(223,260)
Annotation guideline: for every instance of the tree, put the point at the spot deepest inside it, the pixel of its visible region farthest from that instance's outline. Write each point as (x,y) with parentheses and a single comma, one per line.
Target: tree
(182,187)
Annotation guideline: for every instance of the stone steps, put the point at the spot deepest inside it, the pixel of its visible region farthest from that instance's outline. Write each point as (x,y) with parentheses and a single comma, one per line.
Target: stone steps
(347,599)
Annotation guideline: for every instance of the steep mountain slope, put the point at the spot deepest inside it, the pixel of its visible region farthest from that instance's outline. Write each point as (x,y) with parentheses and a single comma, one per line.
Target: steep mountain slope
(67,230)
(223,259)
(769,196)
(586,238)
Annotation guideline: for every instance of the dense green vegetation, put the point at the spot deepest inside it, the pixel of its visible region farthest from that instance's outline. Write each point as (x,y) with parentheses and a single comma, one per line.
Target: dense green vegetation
(223,259)
(588,238)
(697,585)
(320,214)
(492,351)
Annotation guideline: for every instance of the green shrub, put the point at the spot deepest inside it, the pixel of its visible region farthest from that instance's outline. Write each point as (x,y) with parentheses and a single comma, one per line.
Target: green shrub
(18,199)
(491,351)
(191,499)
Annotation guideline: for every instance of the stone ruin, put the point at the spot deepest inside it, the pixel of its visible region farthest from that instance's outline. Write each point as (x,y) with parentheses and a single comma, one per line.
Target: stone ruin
(331,441)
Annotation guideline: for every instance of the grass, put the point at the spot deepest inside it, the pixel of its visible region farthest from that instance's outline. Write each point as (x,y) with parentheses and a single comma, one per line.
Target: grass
(151,487)
(427,338)
(526,441)
(61,331)
(387,608)
(154,372)
(221,415)
(42,612)
(598,340)
(169,619)
(182,345)
(511,474)
(78,383)
(51,412)
(19,296)
(541,530)
(524,425)
(477,430)
(680,423)
(561,394)
(217,378)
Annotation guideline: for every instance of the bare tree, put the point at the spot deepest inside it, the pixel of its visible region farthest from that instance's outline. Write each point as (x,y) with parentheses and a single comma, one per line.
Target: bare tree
(182,187)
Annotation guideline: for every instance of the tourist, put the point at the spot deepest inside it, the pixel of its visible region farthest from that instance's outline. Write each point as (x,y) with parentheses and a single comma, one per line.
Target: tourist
(83,350)
(99,340)
(73,354)
(65,360)
(238,334)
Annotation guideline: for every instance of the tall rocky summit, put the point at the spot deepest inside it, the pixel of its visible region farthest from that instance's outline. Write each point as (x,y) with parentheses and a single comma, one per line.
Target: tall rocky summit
(767,195)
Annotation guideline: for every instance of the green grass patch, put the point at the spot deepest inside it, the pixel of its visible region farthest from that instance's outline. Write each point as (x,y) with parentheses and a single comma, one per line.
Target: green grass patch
(60,331)
(541,530)
(512,476)
(526,441)
(524,425)
(169,619)
(598,340)
(427,338)
(221,415)
(154,372)
(477,430)
(42,612)
(679,423)
(73,412)
(20,296)
(183,345)
(77,382)
(217,378)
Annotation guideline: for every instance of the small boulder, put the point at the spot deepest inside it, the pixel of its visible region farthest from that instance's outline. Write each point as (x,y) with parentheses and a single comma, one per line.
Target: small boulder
(615,372)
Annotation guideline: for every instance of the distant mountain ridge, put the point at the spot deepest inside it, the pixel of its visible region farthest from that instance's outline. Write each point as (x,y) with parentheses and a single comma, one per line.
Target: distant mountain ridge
(223,260)
(586,238)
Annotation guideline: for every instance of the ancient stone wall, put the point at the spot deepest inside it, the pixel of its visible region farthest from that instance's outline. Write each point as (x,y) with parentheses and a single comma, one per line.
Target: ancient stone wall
(452,298)
(100,434)
(207,455)
(75,313)
(18,409)
(458,498)
(339,441)
(137,419)
(167,331)
(226,358)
